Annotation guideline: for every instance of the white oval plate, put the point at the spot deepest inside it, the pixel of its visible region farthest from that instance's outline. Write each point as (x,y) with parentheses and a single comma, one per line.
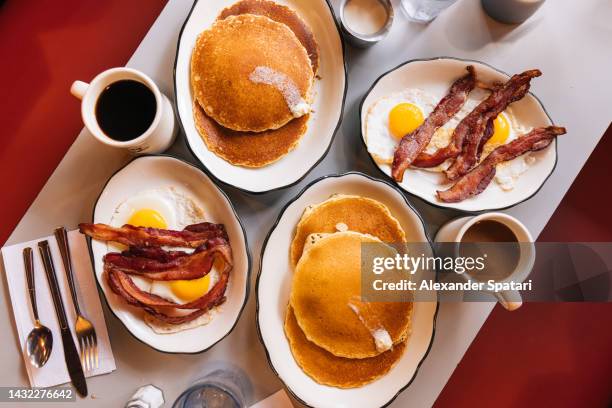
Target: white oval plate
(274,283)
(435,76)
(329,94)
(151,172)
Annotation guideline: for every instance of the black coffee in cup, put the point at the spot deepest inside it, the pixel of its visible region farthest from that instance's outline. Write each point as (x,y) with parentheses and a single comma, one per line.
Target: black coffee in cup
(125,109)
(495,241)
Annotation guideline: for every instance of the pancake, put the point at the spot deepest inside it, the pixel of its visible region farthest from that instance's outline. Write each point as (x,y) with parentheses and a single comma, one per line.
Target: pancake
(325,286)
(246,148)
(360,214)
(327,369)
(250,73)
(281,14)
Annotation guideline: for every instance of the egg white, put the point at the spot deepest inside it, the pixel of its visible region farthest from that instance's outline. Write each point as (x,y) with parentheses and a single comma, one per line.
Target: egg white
(507,173)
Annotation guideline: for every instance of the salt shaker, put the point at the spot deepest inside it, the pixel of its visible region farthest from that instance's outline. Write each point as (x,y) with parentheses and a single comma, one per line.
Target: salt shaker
(148,396)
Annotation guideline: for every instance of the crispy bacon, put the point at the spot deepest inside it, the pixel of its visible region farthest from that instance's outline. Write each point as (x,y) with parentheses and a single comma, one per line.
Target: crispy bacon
(148,299)
(123,286)
(477,122)
(156,253)
(412,144)
(146,258)
(121,283)
(191,237)
(158,264)
(513,90)
(488,132)
(477,180)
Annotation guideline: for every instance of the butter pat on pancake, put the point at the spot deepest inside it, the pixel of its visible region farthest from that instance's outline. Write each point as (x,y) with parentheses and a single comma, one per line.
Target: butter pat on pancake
(326,281)
(227,67)
(249,149)
(327,369)
(281,14)
(360,214)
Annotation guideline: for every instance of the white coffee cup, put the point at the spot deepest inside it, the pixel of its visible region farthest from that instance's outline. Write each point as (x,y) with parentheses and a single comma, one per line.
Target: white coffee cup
(454,230)
(160,134)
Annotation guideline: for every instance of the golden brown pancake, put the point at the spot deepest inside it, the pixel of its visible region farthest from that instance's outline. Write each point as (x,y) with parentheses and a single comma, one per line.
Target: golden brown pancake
(327,369)
(224,61)
(326,282)
(360,214)
(281,14)
(247,148)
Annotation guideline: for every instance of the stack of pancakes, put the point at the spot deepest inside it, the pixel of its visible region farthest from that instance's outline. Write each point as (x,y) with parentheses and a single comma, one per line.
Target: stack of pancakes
(337,339)
(252,75)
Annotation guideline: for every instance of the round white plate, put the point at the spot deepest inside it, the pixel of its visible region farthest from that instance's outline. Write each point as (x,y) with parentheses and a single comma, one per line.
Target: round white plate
(435,76)
(152,172)
(329,94)
(274,283)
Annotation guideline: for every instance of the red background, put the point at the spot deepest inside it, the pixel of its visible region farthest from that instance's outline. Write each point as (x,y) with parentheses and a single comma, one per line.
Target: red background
(543,354)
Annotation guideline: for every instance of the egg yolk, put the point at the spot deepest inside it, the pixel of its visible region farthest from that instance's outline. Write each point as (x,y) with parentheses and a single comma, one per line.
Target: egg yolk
(147,217)
(188,290)
(501,130)
(404,118)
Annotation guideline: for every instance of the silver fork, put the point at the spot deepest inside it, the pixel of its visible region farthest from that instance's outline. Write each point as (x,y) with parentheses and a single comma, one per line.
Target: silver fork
(85,331)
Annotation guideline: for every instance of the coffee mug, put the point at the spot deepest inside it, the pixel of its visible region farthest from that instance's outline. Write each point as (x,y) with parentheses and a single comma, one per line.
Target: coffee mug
(454,231)
(155,139)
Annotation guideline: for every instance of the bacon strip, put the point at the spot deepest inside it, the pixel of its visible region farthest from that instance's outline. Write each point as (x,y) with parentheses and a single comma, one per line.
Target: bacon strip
(156,253)
(513,90)
(480,119)
(146,258)
(413,143)
(151,300)
(489,130)
(174,265)
(122,285)
(117,285)
(191,237)
(477,180)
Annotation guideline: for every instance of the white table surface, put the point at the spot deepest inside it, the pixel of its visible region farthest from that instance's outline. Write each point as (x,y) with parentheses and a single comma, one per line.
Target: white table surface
(568,40)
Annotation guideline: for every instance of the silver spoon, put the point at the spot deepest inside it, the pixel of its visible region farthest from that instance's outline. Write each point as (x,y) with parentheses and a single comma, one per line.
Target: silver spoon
(40,340)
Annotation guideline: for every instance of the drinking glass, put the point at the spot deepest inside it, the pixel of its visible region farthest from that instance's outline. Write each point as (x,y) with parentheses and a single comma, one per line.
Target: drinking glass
(423,11)
(222,386)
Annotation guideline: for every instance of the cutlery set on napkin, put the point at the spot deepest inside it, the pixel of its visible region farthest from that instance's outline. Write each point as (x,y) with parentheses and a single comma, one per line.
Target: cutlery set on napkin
(58,341)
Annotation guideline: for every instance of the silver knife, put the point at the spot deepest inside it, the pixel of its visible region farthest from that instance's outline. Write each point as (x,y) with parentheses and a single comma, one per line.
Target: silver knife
(71,355)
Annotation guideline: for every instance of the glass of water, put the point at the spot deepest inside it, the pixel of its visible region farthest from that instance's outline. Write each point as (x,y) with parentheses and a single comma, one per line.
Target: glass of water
(222,386)
(423,11)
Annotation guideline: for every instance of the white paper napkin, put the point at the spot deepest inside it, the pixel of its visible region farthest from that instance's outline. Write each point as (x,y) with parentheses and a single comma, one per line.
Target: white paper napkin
(55,372)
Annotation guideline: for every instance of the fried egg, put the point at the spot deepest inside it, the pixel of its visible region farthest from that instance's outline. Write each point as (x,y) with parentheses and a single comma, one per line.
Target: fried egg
(393,116)
(167,209)
(158,208)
